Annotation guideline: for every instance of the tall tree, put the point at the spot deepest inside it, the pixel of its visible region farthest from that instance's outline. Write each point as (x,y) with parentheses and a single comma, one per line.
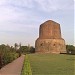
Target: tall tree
(16,46)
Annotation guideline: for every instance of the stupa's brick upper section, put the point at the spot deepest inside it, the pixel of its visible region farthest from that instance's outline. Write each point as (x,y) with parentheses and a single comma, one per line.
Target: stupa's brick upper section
(49,29)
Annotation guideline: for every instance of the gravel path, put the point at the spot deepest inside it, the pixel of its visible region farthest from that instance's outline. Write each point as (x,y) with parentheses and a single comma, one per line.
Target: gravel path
(13,68)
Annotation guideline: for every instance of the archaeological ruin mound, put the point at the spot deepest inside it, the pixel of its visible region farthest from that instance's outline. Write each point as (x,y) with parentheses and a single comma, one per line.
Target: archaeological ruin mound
(50,40)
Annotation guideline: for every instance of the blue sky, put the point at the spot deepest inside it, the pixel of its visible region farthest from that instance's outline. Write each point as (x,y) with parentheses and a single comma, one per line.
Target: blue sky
(20,19)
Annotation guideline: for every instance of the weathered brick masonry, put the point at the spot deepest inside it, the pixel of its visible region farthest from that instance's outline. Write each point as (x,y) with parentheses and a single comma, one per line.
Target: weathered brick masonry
(50,40)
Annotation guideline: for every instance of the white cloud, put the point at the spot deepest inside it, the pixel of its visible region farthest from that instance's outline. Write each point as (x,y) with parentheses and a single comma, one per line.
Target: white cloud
(46,5)
(54,5)
(43,5)
(7,14)
(11,19)
(24,3)
(26,10)
(2,2)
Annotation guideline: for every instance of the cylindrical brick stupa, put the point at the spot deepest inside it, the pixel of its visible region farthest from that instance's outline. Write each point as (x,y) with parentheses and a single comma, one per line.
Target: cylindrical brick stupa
(50,40)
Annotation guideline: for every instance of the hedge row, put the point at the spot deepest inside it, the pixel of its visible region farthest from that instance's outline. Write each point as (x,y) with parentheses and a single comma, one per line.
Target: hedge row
(26,67)
(8,57)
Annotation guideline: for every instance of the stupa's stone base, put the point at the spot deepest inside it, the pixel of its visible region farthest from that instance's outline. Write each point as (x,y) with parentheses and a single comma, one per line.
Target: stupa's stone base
(56,46)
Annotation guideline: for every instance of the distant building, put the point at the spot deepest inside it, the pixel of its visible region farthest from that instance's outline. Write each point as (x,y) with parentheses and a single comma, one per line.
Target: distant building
(50,40)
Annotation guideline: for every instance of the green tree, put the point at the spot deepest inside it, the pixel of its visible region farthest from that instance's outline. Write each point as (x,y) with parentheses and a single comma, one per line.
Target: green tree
(70,49)
(16,46)
(32,49)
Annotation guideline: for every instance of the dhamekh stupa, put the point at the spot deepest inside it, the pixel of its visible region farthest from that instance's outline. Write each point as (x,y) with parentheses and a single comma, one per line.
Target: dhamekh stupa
(50,40)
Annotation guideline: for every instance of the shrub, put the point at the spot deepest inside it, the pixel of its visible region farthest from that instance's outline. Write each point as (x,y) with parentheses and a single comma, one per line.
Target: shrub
(70,49)
(26,67)
(7,55)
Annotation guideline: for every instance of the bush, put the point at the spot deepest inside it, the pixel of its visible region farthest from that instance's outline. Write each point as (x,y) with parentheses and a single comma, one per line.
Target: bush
(0,61)
(70,49)
(26,67)
(7,55)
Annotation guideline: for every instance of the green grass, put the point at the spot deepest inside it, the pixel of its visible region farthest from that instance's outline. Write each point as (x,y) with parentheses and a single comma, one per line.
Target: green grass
(52,64)
(26,67)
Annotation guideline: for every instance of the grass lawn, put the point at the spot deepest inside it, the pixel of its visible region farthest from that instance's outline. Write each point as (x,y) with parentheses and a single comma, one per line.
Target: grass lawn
(52,64)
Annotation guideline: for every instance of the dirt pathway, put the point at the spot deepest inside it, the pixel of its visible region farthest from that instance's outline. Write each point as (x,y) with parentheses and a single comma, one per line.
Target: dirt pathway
(13,68)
